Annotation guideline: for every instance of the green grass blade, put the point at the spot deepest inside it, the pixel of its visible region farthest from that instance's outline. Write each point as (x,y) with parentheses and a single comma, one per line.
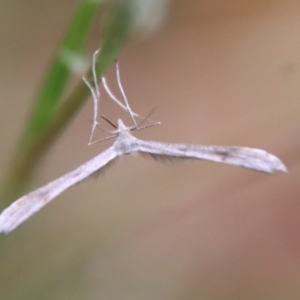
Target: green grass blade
(48,98)
(58,75)
(116,33)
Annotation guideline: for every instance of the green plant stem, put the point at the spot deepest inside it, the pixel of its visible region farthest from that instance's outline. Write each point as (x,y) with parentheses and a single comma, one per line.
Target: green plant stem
(25,162)
(59,72)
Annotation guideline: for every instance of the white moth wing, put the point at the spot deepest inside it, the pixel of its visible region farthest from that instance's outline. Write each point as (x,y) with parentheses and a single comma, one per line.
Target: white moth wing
(250,158)
(26,206)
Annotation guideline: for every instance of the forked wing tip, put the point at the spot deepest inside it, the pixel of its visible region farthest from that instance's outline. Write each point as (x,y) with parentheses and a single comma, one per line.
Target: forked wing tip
(281,167)
(4,227)
(276,165)
(9,221)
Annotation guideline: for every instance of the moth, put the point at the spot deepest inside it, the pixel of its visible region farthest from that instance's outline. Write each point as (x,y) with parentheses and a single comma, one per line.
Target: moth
(125,143)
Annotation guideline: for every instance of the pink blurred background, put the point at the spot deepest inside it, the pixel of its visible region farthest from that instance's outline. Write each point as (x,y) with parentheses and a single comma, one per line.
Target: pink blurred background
(220,72)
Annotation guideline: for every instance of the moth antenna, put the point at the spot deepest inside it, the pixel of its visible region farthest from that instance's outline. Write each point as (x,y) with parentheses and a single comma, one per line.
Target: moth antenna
(109,122)
(148,119)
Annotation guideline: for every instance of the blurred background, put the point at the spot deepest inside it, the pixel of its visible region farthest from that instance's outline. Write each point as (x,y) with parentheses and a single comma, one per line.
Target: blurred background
(219,72)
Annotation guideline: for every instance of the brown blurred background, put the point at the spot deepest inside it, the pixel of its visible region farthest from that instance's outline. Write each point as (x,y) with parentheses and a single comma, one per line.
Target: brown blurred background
(220,72)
